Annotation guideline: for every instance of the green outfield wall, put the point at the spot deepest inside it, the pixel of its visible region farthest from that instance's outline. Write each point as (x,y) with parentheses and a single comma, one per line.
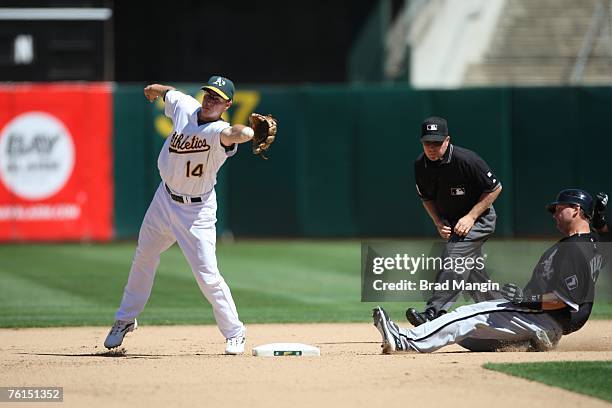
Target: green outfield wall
(342,165)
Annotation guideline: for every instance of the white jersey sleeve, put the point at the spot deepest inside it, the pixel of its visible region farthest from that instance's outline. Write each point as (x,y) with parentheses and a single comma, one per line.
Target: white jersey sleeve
(177,102)
(219,150)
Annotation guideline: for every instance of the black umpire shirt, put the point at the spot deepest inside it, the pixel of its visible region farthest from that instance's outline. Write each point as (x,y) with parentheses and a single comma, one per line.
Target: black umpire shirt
(455,182)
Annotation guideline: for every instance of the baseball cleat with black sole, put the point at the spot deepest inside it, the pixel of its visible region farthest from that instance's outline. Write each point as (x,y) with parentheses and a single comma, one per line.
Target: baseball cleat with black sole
(118,332)
(417,318)
(392,342)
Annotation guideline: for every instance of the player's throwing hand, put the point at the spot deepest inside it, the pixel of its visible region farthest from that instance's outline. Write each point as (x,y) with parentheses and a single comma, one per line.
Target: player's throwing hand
(154,91)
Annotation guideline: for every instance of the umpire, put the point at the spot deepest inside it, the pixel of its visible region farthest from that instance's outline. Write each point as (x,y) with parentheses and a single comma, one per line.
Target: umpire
(457,188)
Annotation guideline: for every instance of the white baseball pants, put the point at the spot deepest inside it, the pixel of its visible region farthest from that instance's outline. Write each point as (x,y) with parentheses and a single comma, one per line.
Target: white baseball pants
(483,327)
(193,227)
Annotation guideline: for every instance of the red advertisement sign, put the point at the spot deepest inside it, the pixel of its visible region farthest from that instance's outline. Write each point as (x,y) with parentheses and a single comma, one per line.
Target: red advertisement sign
(55,162)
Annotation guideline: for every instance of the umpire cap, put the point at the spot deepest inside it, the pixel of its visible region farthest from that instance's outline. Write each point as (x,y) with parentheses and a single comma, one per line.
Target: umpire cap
(574,196)
(434,129)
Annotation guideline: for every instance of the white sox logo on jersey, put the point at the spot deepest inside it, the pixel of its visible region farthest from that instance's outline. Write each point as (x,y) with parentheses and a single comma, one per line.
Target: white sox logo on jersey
(595,265)
(547,269)
(181,144)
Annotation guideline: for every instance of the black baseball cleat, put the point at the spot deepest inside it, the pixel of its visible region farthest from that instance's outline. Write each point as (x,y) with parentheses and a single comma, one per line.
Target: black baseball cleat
(417,318)
(391,337)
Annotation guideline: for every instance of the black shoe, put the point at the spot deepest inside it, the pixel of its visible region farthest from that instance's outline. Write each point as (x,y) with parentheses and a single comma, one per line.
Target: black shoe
(416,318)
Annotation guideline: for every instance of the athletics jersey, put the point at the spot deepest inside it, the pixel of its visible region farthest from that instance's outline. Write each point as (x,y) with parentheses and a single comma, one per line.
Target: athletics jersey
(569,269)
(192,154)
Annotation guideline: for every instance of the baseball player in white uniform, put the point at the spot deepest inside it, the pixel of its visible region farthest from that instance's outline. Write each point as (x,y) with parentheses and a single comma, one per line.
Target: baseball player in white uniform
(557,300)
(184,207)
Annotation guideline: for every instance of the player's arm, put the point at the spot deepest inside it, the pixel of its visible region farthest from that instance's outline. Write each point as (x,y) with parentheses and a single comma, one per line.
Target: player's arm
(443,228)
(154,91)
(429,203)
(550,301)
(236,134)
(516,295)
(465,224)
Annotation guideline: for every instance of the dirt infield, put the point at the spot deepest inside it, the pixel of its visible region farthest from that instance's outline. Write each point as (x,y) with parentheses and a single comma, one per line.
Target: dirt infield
(183,366)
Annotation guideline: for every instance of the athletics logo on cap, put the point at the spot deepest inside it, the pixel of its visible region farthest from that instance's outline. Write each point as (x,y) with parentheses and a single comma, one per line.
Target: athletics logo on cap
(221,86)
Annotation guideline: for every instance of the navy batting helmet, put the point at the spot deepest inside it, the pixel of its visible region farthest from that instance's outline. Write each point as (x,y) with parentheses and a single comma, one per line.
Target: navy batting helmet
(574,196)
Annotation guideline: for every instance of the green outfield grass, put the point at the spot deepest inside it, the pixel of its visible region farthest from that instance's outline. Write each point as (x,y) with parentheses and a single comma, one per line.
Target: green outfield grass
(592,378)
(272,281)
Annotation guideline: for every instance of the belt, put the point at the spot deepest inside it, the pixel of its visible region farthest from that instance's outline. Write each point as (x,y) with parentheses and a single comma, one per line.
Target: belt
(182,199)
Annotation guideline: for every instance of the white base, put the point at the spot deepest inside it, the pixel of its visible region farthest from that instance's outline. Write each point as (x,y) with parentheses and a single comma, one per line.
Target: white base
(286,349)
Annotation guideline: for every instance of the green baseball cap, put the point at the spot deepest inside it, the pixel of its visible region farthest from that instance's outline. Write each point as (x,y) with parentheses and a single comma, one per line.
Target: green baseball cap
(220,85)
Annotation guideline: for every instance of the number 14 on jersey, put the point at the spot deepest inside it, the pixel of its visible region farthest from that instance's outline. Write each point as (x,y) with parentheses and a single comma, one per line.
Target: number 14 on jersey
(197,171)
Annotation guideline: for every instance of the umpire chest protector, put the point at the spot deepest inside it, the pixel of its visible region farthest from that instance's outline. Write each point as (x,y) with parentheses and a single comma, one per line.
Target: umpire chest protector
(455,182)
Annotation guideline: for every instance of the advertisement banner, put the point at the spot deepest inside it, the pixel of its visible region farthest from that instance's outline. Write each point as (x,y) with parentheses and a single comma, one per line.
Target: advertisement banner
(55,162)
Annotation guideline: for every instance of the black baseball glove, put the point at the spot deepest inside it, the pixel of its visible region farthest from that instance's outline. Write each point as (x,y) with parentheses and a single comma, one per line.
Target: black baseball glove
(513,293)
(516,295)
(599,217)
